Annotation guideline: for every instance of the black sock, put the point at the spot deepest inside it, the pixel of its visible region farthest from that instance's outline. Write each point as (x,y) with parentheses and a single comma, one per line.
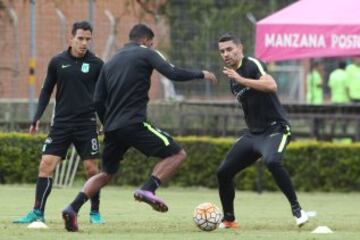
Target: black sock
(229,216)
(295,205)
(43,189)
(296,209)
(80,199)
(95,202)
(151,184)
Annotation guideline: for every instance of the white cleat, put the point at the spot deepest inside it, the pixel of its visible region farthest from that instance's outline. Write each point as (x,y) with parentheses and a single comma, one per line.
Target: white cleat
(301,218)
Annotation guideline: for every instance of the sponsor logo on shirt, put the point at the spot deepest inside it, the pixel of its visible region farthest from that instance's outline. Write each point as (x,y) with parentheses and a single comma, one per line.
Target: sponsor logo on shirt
(85,67)
(94,152)
(65,65)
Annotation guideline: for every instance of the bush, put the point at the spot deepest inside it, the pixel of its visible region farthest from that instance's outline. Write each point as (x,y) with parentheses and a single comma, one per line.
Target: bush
(19,157)
(313,166)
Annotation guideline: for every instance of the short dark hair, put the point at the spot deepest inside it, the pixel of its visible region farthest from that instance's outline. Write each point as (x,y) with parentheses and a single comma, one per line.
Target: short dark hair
(342,64)
(140,31)
(84,25)
(230,36)
(315,64)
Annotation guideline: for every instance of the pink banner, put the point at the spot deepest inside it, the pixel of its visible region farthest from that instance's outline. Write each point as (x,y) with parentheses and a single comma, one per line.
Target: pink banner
(276,42)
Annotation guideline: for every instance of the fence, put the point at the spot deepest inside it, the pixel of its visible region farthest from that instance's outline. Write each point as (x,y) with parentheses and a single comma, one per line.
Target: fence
(218,118)
(323,122)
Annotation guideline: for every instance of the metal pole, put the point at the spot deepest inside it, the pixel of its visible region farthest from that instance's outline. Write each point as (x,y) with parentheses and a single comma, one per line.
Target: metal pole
(91,11)
(62,19)
(32,60)
(252,19)
(302,90)
(15,73)
(111,38)
(91,19)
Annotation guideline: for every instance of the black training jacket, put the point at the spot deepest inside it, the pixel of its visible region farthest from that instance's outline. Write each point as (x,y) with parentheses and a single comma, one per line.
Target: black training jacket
(261,109)
(75,80)
(121,93)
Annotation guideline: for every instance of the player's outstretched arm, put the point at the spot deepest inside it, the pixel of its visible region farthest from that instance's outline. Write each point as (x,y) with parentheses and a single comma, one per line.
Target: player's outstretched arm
(159,62)
(210,77)
(265,84)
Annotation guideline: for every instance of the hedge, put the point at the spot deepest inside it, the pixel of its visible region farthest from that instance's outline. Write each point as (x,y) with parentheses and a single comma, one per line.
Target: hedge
(313,166)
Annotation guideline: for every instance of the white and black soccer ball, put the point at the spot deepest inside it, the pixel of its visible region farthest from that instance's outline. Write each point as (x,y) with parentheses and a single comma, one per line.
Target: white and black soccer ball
(207,216)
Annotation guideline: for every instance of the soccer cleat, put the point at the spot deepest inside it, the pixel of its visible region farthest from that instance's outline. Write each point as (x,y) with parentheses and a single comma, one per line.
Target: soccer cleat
(300,217)
(229,224)
(148,197)
(70,219)
(33,216)
(95,218)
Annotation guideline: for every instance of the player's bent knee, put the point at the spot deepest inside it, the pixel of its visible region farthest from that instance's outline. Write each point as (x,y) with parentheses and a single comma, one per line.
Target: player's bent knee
(106,176)
(47,166)
(273,164)
(225,174)
(182,155)
(223,170)
(91,167)
(221,173)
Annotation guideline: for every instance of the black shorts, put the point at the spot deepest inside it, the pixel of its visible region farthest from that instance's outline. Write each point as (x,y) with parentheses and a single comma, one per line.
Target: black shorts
(84,139)
(146,138)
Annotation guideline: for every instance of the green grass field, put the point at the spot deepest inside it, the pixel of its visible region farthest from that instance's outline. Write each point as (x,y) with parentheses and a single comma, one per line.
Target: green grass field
(264,216)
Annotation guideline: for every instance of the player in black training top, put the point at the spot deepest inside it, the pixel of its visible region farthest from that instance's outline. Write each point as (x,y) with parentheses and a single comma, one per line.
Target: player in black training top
(268,129)
(74,72)
(121,98)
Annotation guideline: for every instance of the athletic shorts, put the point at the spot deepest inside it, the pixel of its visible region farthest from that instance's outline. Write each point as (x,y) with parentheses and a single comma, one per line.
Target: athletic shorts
(146,138)
(84,139)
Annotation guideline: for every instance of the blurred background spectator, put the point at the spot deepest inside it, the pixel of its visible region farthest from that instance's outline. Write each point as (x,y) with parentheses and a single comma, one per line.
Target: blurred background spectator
(353,71)
(314,84)
(338,81)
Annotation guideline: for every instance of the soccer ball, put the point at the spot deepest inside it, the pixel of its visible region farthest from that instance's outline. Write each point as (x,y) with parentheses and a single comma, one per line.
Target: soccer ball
(207,216)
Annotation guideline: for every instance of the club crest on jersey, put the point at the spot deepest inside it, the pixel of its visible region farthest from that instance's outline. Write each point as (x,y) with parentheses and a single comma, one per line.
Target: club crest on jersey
(85,67)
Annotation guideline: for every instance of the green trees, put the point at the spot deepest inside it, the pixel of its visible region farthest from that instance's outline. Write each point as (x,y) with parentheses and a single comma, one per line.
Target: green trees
(196,25)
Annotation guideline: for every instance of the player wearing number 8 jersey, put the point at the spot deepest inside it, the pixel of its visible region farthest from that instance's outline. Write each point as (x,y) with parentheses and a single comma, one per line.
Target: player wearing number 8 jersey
(74,72)
(268,129)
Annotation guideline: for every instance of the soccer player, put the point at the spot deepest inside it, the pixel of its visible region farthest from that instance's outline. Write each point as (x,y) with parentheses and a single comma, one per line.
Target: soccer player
(121,98)
(268,129)
(74,72)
